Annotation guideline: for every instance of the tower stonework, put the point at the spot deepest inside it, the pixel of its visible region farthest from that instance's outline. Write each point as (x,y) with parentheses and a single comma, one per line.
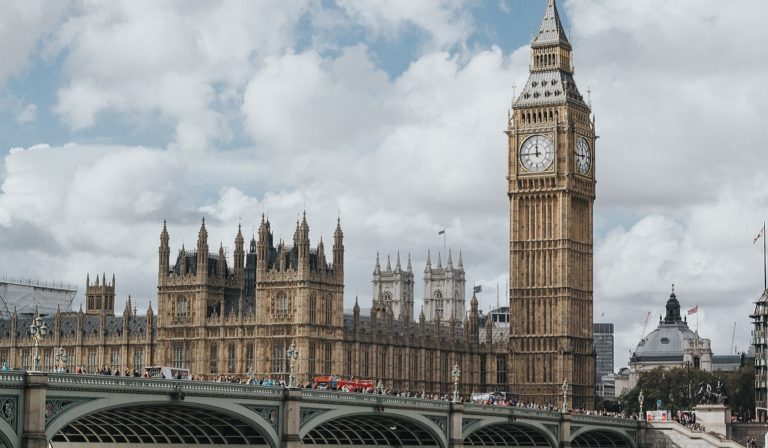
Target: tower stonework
(444,290)
(395,287)
(551,192)
(100,296)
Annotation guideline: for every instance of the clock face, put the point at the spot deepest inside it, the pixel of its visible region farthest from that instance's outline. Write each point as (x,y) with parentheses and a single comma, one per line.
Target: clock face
(583,156)
(537,153)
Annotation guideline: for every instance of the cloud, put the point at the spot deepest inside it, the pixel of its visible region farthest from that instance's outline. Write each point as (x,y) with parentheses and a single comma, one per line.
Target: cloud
(23,24)
(27,115)
(174,59)
(446,23)
(287,108)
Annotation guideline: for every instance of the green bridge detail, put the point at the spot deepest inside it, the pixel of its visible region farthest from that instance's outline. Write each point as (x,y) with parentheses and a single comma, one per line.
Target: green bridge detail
(38,410)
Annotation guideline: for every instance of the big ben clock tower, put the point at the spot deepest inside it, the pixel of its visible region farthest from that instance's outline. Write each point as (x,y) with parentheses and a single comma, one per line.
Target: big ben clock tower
(551,192)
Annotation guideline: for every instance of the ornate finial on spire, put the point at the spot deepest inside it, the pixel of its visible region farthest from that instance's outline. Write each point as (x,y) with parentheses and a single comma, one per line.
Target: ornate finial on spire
(450,260)
(377,269)
(461,262)
(589,96)
(673,288)
(409,267)
(439,260)
(514,92)
(397,263)
(389,265)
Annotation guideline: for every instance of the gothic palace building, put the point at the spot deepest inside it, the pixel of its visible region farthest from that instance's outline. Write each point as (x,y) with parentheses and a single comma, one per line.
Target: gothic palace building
(216,318)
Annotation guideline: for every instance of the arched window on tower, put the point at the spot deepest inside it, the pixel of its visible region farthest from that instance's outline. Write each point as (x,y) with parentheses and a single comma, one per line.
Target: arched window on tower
(387,299)
(281,305)
(328,310)
(312,308)
(439,304)
(182,307)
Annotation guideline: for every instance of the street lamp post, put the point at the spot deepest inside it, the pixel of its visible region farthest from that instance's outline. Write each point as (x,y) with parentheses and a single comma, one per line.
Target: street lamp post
(61,360)
(293,355)
(640,398)
(39,331)
(456,374)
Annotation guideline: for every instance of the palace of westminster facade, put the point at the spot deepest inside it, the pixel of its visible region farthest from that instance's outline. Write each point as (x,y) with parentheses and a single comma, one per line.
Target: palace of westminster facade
(220,319)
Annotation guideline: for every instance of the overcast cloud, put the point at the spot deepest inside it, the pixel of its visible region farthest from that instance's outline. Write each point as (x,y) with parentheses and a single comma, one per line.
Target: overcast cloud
(144,111)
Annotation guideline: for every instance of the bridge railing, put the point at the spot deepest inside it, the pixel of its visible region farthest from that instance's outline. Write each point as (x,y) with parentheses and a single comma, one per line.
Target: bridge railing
(63,381)
(522,412)
(12,378)
(374,399)
(605,420)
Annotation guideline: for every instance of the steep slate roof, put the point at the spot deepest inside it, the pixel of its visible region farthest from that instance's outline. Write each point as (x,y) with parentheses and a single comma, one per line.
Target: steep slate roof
(551,29)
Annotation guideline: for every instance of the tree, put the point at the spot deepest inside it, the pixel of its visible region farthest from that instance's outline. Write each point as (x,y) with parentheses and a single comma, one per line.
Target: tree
(672,387)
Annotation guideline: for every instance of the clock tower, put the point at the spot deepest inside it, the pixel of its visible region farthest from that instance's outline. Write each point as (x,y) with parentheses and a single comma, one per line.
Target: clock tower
(551,193)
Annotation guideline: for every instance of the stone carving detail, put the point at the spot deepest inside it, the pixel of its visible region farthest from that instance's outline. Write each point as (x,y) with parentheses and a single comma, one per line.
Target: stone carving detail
(271,414)
(55,407)
(555,429)
(467,422)
(307,414)
(440,421)
(9,410)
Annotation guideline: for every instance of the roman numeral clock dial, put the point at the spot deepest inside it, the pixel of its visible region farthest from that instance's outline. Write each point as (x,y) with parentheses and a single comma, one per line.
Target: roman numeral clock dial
(537,153)
(583,156)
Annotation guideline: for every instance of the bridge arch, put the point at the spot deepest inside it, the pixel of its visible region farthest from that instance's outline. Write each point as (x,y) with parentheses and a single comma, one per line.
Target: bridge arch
(159,420)
(507,433)
(601,438)
(396,427)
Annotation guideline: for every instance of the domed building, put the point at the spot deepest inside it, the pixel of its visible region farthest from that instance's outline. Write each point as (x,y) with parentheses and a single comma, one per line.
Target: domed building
(672,344)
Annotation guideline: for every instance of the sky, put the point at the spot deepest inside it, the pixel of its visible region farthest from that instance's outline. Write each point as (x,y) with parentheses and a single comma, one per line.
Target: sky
(388,114)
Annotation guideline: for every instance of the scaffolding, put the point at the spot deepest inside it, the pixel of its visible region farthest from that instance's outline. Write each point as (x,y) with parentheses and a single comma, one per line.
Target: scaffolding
(24,295)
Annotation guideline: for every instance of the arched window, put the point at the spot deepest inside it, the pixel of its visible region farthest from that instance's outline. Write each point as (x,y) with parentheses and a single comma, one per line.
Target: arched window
(282,305)
(182,307)
(328,310)
(214,361)
(439,304)
(231,358)
(312,308)
(387,298)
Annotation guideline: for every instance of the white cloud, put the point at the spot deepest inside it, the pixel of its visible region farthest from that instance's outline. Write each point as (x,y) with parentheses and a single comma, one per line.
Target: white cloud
(677,88)
(175,59)
(446,22)
(27,115)
(22,25)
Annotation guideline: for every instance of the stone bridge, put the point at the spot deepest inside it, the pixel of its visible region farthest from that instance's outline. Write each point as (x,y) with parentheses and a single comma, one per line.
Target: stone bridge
(40,410)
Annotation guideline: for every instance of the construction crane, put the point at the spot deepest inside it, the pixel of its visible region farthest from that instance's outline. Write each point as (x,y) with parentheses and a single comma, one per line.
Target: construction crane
(647,318)
(733,339)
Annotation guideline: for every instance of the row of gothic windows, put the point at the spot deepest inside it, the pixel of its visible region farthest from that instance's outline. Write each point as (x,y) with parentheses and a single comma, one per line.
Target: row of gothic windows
(326,309)
(231,357)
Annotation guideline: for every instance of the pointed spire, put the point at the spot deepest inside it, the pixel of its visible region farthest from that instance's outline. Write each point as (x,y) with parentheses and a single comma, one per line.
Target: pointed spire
(164,233)
(551,30)
(429,260)
(397,264)
(450,260)
(377,269)
(389,265)
(461,262)
(409,268)
(439,260)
